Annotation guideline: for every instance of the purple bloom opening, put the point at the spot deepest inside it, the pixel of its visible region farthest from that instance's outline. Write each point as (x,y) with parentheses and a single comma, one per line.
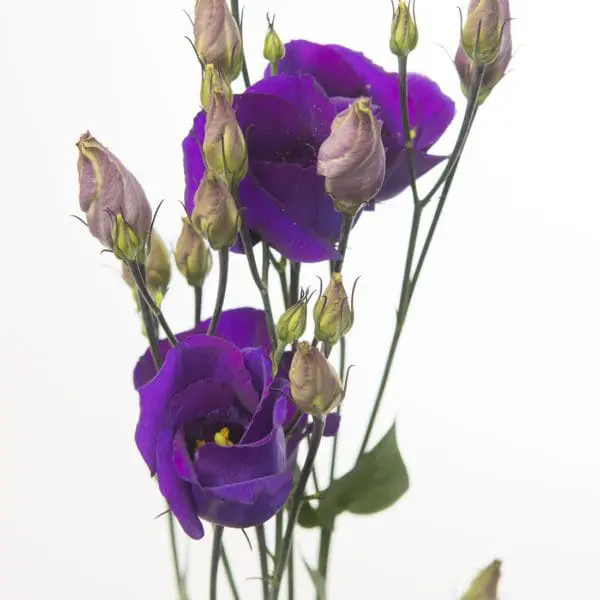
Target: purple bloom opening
(286,118)
(212,424)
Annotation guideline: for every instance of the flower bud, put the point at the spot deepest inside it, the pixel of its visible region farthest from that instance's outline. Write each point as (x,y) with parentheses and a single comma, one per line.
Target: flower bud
(404,35)
(215,214)
(494,71)
(217,37)
(224,144)
(211,79)
(126,243)
(352,158)
(158,268)
(332,313)
(482,31)
(315,386)
(107,189)
(485,585)
(273,49)
(292,323)
(192,256)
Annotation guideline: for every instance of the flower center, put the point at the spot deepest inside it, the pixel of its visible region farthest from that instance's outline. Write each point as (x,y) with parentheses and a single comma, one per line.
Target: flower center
(221,438)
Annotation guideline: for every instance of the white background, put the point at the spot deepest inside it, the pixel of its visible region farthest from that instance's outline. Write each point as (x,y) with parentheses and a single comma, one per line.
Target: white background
(495,390)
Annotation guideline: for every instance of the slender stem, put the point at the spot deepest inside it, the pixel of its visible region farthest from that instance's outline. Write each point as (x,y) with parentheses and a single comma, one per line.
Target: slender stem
(408,143)
(343,245)
(197,305)
(294,282)
(278,532)
(265,264)
(465,127)
(291,574)
(335,438)
(280,267)
(229,573)
(262,550)
(408,284)
(235,11)
(295,505)
(214,561)
(151,332)
(262,288)
(137,271)
(223,276)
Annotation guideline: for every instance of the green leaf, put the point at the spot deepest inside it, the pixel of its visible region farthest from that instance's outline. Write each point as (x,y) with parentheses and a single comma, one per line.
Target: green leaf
(378,479)
(317,580)
(308,516)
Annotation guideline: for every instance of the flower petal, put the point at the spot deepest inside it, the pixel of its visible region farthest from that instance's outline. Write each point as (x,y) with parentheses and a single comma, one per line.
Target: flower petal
(259,366)
(193,164)
(244,504)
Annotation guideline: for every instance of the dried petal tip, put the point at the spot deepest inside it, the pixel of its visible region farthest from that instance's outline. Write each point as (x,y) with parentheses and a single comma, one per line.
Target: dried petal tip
(352,158)
(217,37)
(482,31)
(485,585)
(494,71)
(107,189)
(273,49)
(332,313)
(315,386)
(292,323)
(404,35)
(192,256)
(215,214)
(224,144)
(211,79)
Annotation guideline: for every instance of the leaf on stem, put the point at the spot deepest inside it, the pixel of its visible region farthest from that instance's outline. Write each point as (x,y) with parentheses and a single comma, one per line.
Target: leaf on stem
(317,579)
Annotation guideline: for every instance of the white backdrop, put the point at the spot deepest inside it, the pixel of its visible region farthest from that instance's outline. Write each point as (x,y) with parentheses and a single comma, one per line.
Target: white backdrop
(495,390)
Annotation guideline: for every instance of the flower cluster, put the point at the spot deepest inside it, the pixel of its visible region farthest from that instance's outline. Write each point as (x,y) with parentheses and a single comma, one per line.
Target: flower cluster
(289,164)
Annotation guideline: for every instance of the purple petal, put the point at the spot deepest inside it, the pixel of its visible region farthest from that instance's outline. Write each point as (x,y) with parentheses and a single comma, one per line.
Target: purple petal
(259,366)
(224,465)
(243,327)
(182,461)
(244,504)
(176,491)
(332,424)
(271,413)
(270,219)
(193,165)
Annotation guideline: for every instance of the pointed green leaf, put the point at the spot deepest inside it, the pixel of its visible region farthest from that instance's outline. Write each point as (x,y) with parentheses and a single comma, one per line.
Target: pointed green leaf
(378,479)
(485,585)
(317,580)
(308,516)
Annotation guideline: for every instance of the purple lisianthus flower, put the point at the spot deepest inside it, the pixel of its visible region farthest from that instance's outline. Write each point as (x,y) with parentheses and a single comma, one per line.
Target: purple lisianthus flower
(287,117)
(212,425)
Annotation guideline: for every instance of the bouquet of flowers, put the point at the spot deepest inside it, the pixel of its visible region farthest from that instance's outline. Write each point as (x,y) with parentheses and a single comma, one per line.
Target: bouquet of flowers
(234,410)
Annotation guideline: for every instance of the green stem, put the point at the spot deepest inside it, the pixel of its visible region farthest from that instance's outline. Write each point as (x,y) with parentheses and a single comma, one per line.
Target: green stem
(278,532)
(408,143)
(260,284)
(197,305)
(153,341)
(235,11)
(223,276)
(214,561)
(343,245)
(295,505)
(262,551)
(229,573)
(280,267)
(294,282)
(291,574)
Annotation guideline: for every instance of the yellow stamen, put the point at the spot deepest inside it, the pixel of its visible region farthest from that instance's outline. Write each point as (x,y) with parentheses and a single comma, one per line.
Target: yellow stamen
(222,437)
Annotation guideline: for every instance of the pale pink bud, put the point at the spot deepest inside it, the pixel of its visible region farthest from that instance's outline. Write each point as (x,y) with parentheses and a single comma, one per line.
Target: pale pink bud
(352,158)
(108,189)
(217,37)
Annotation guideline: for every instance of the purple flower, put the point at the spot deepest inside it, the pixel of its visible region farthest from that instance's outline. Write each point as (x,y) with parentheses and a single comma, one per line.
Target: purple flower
(212,422)
(287,117)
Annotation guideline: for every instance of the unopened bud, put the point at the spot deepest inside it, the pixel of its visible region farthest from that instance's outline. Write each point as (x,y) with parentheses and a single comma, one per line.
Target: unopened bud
(211,79)
(482,31)
(292,323)
(494,72)
(126,243)
(352,158)
(215,214)
(192,256)
(158,268)
(404,35)
(273,49)
(315,386)
(485,585)
(224,144)
(217,37)
(108,189)
(332,313)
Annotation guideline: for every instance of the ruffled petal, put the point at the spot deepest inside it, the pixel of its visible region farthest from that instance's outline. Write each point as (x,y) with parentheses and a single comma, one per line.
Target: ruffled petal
(259,366)
(243,327)
(193,165)
(244,504)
